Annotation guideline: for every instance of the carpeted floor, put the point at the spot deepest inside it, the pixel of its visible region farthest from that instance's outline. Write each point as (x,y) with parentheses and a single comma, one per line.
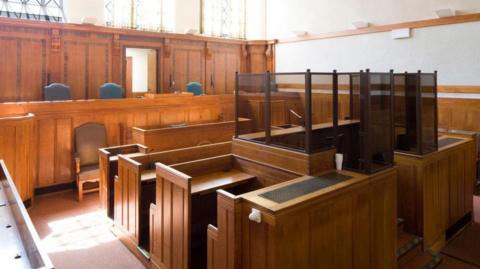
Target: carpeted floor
(76,235)
(466,246)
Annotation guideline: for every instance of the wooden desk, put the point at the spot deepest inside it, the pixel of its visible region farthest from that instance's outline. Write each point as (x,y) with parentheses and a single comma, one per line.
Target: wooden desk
(435,190)
(160,138)
(17,234)
(351,224)
(219,180)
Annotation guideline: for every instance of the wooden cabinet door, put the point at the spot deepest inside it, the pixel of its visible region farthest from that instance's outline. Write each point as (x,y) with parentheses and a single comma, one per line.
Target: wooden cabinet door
(222,64)
(185,63)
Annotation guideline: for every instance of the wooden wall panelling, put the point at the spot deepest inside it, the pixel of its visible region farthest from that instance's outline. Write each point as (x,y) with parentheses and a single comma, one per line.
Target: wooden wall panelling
(223,61)
(184,63)
(86,63)
(22,79)
(9,72)
(257,63)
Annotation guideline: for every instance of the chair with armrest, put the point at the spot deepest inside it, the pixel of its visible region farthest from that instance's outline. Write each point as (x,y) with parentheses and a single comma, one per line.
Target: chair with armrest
(89,138)
(56,92)
(111,91)
(195,88)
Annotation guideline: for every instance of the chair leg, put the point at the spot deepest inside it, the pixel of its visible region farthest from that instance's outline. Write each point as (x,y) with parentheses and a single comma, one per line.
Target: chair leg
(80,191)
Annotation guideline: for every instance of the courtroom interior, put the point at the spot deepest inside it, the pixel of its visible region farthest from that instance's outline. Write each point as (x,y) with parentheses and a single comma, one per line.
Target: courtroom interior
(239,134)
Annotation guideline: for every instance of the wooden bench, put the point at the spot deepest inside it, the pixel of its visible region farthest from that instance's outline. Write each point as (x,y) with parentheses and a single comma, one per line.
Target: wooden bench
(20,243)
(134,190)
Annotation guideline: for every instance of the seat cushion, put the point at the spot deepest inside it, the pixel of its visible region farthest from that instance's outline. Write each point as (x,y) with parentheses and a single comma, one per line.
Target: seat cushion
(89,173)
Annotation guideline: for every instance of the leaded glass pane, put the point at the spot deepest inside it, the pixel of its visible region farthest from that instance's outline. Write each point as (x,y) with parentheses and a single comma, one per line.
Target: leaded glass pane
(42,10)
(224,18)
(153,15)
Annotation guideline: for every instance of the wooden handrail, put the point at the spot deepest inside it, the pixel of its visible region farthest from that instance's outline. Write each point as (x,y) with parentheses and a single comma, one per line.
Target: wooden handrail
(27,116)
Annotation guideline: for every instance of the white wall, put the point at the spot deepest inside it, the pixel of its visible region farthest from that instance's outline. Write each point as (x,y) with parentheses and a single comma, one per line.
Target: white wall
(139,69)
(75,10)
(187,14)
(453,50)
(319,16)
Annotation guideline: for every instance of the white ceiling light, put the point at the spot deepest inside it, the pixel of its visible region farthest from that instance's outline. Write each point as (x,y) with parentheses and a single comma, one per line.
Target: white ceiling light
(446,12)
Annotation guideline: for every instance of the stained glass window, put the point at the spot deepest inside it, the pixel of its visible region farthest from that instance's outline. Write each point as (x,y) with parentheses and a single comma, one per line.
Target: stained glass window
(153,15)
(224,18)
(39,10)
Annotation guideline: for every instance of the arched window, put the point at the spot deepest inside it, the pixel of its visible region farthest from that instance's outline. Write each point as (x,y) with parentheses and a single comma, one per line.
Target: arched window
(224,18)
(39,10)
(153,15)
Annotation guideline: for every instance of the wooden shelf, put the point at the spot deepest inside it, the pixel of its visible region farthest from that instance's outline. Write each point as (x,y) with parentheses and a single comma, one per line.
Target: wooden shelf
(224,179)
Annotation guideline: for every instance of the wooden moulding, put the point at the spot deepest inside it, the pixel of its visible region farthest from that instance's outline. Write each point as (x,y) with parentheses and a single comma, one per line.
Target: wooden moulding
(385,28)
(435,190)
(298,162)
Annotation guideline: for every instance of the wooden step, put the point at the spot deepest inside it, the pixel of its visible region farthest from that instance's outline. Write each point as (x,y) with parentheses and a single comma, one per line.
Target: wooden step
(424,260)
(408,247)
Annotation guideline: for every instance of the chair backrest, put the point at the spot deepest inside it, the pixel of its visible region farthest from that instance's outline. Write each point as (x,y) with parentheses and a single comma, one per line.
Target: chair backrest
(89,137)
(111,91)
(56,92)
(195,88)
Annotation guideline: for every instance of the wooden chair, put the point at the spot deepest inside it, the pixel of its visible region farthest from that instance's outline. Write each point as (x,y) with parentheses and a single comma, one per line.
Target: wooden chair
(89,138)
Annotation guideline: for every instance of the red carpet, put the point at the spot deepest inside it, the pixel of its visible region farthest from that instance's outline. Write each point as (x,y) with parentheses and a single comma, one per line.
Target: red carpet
(466,246)
(76,235)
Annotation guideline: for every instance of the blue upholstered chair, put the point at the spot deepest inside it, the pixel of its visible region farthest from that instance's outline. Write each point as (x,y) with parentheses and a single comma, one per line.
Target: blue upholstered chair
(111,91)
(195,88)
(56,92)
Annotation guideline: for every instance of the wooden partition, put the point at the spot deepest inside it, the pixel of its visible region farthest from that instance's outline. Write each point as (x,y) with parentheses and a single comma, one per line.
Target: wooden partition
(17,149)
(134,189)
(349,225)
(108,166)
(85,57)
(183,135)
(55,122)
(21,246)
(435,191)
